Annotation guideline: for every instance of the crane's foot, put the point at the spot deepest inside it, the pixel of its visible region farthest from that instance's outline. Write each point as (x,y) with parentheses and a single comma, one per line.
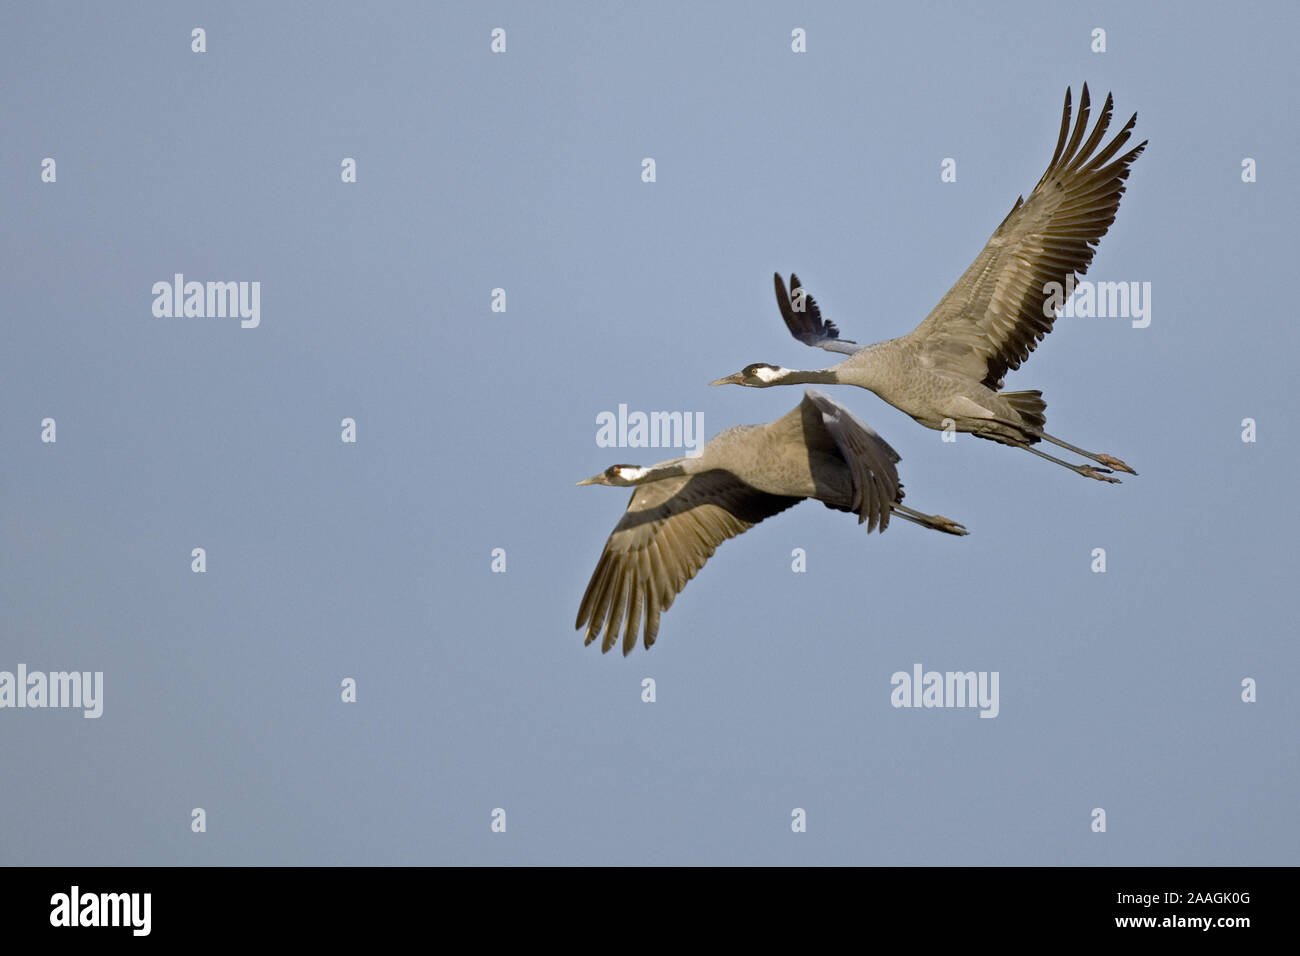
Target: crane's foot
(1101,474)
(1113,462)
(947,525)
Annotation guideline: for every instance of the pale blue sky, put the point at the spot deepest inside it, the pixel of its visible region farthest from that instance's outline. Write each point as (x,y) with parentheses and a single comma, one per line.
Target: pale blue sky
(372,560)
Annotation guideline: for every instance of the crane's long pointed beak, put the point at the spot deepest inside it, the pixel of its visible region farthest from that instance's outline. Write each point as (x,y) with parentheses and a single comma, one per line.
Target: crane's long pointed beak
(729,380)
(593,480)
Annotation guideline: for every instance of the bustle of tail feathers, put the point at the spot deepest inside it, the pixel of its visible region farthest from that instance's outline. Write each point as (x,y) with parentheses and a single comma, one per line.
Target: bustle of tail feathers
(1031,408)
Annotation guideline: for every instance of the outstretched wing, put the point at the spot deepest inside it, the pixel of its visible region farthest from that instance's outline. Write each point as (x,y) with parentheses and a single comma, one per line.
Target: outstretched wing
(872,462)
(670,529)
(995,315)
(804,319)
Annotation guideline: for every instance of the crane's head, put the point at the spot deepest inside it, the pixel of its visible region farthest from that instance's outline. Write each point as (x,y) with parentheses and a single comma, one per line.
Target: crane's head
(618,476)
(758,375)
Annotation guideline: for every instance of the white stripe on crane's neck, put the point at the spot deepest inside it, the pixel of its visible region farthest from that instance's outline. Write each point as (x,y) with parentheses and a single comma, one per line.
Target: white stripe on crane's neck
(632,472)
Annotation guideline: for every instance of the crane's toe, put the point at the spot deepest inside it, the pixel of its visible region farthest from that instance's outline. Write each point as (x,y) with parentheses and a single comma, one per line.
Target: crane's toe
(1089,472)
(950,526)
(1115,463)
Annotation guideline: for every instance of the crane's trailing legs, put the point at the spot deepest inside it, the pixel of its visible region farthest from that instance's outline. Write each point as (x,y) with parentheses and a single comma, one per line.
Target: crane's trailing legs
(1101,474)
(1110,461)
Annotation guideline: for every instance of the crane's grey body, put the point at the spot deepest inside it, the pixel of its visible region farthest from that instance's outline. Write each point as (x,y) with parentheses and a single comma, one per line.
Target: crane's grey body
(908,373)
(684,508)
(905,374)
(949,371)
